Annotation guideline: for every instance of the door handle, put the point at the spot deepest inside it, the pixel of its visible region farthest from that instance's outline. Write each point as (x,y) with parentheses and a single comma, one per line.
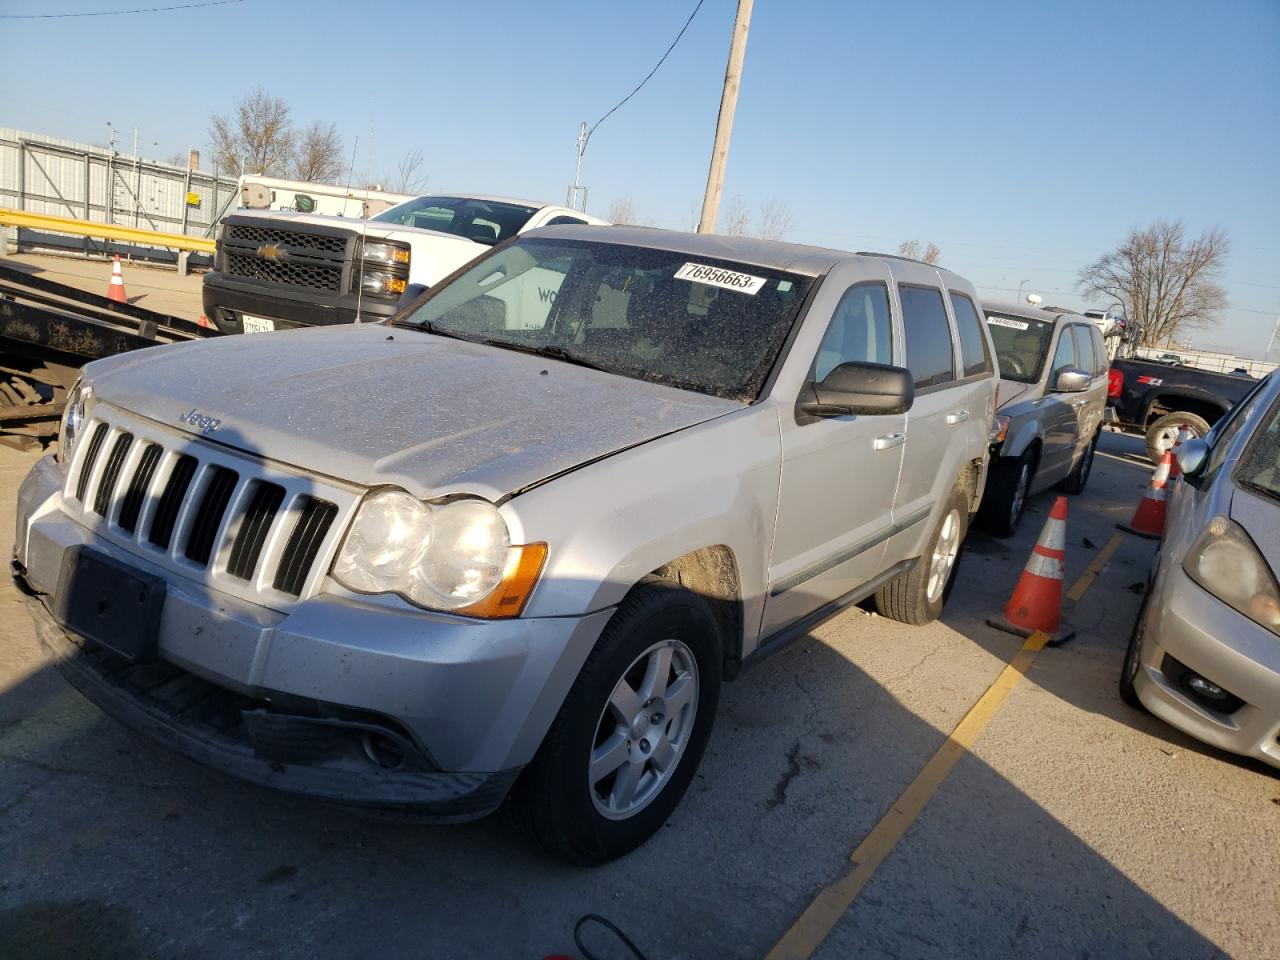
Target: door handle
(890,440)
(960,416)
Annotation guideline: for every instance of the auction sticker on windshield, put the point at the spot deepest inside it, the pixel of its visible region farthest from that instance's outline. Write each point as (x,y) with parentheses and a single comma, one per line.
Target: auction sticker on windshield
(1002,322)
(719,277)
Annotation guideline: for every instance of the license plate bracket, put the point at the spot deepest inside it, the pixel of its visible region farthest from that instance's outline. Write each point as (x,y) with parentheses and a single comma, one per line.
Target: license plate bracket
(109,602)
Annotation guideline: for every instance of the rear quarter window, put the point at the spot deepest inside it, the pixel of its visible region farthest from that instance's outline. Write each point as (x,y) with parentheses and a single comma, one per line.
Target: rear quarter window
(973,345)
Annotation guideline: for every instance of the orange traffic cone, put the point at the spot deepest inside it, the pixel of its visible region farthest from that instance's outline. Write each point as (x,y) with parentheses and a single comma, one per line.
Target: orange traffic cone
(1036,604)
(115,291)
(1148,519)
(1174,470)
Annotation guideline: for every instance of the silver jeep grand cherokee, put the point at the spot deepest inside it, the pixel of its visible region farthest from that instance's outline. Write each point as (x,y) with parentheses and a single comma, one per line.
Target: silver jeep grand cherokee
(513,540)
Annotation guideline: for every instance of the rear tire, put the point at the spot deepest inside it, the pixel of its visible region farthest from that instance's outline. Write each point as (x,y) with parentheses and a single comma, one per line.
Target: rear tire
(1006,496)
(584,817)
(1161,433)
(917,596)
(1074,482)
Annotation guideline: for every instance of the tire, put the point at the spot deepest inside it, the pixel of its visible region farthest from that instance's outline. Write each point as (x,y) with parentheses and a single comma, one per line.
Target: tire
(555,801)
(1005,499)
(1074,482)
(1132,658)
(917,596)
(1161,433)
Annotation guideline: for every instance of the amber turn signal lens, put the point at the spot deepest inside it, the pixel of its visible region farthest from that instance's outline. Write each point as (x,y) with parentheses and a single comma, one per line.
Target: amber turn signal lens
(524,566)
(396,284)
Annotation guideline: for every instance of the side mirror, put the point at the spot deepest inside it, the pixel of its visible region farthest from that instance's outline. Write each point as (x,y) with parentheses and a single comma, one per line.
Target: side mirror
(857,388)
(1192,456)
(1072,380)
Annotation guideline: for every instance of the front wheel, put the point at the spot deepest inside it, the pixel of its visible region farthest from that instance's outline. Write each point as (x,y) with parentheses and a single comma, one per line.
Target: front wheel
(631,732)
(1133,657)
(1006,496)
(1164,431)
(917,596)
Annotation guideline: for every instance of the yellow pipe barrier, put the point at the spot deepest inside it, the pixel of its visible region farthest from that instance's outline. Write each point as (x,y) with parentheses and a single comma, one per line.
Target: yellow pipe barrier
(105,231)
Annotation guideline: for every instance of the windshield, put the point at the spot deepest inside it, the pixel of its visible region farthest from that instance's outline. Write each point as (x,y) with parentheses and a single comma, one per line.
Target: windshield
(692,322)
(1021,344)
(482,221)
(1260,466)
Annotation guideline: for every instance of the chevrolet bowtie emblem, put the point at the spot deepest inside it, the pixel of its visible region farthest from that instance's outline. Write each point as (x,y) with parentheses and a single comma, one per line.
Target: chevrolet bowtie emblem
(273,251)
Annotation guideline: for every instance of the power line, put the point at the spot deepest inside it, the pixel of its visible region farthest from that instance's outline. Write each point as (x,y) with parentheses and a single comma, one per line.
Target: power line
(114,13)
(647,78)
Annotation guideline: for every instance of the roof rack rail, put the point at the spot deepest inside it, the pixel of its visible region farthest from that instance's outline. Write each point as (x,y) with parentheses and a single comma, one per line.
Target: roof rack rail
(898,256)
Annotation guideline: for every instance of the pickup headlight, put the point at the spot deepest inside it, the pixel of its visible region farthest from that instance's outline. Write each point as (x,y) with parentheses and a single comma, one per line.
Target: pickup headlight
(391,254)
(1226,562)
(377,283)
(453,556)
(73,419)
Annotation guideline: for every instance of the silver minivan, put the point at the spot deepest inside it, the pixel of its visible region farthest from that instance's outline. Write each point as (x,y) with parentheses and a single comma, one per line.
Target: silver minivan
(1050,407)
(587,479)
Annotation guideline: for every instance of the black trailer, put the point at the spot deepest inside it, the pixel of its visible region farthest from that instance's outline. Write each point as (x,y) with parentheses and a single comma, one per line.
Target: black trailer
(48,331)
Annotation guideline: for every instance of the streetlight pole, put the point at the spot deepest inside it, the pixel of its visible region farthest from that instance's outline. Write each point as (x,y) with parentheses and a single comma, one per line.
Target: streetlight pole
(724,123)
(1021,284)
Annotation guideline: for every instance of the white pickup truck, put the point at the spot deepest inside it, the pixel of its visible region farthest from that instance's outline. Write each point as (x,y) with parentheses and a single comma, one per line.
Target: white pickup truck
(282,270)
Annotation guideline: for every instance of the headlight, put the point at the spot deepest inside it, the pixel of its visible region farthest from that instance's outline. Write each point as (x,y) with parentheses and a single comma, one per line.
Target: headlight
(1226,563)
(73,419)
(390,254)
(1000,428)
(377,283)
(453,556)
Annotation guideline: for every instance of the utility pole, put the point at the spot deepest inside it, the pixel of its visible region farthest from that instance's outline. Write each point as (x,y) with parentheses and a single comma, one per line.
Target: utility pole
(577,192)
(724,123)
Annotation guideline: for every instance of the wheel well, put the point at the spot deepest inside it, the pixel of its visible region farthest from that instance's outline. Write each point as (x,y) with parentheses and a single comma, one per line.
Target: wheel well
(969,478)
(712,573)
(1174,404)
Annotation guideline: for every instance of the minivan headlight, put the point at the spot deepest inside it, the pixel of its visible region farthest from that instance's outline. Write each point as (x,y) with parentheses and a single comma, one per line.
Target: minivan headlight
(1225,561)
(454,556)
(73,419)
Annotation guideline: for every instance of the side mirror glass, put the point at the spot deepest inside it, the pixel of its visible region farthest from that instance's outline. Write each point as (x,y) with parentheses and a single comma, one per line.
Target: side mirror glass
(1072,380)
(856,388)
(1192,457)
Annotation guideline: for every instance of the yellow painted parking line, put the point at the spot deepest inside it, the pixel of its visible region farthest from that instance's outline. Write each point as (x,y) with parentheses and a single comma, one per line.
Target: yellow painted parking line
(1086,579)
(821,916)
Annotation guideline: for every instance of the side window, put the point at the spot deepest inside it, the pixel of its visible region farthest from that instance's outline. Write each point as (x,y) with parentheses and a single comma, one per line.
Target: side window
(929,348)
(556,221)
(859,330)
(1100,351)
(1226,429)
(1084,350)
(973,345)
(1063,357)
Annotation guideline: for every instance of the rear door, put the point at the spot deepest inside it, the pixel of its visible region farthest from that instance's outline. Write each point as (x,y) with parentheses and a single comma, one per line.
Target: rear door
(1093,405)
(835,500)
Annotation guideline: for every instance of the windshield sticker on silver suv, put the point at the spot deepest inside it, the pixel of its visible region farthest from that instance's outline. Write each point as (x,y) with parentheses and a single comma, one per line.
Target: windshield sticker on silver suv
(718,277)
(1002,322)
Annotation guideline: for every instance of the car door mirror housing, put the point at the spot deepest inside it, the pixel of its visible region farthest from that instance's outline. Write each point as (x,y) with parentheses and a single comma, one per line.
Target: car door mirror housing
(1192,457)
(1072,380)
(857,388)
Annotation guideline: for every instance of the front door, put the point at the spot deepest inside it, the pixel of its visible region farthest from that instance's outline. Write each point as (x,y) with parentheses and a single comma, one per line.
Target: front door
(839,474)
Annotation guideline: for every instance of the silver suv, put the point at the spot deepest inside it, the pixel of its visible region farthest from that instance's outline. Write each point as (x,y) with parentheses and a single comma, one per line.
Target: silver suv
(1049,413)
(512,541)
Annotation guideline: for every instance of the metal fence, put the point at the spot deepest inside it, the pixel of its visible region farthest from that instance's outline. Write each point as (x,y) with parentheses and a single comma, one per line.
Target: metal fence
(42,174)
(1208,360)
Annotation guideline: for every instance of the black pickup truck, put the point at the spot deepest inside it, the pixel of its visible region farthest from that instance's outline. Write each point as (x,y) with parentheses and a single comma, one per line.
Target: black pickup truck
(1158,399)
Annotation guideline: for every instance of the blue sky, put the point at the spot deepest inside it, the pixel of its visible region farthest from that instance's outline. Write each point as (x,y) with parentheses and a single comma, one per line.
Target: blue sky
(1024,138)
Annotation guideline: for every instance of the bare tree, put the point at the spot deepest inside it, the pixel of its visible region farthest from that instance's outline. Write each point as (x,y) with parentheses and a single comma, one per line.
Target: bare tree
(736,220)
(911,248)
(319,158)
(1167,283)
(774,220)
(408,177)
(622,211)
(257,138)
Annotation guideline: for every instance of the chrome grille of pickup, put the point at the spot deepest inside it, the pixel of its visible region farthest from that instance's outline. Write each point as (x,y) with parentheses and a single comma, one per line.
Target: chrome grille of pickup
(292,273)
(312,258)
(293,239)
(240,525)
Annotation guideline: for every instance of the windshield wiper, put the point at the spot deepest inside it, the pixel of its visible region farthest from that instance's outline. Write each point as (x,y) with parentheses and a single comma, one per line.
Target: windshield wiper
(550,350)
(426,326)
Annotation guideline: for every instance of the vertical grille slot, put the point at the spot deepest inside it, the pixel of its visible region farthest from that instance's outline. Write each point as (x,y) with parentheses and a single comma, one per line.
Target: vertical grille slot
(217,494)
(262,510)
(138,487)
(304,543)
(90,458)
(111,474)
(171,500)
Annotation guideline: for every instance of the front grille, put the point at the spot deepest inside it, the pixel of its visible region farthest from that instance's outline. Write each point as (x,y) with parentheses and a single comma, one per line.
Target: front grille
(249,528)
(295,240)
(293,273)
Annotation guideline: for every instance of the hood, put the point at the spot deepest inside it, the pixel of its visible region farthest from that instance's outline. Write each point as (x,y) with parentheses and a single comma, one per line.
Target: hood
(371,227)
(383,405)
(1007,391)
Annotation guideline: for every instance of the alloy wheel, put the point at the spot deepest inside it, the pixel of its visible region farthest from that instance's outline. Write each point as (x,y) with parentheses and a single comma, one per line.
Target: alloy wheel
(944,556)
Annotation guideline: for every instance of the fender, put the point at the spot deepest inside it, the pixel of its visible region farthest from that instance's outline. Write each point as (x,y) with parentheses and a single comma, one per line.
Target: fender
(1016,445)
